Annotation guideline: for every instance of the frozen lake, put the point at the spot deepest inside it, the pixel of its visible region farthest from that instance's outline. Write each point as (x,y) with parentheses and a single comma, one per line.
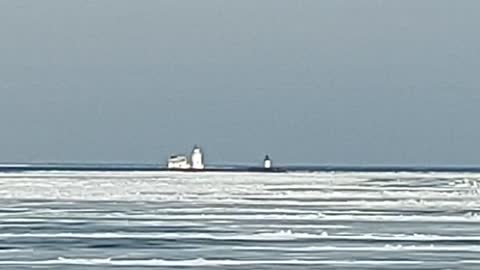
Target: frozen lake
(167,220)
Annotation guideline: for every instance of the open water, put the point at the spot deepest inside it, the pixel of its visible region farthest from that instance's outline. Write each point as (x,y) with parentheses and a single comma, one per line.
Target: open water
(166,220)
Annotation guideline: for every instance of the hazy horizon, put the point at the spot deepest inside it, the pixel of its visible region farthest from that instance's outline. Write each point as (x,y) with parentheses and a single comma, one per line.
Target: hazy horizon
(308,82)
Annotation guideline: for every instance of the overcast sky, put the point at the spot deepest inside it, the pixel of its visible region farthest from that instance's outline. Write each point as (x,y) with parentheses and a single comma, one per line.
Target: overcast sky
(310,82)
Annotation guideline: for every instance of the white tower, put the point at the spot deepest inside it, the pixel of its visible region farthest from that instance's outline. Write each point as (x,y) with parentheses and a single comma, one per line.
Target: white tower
(267,162)
(197,159)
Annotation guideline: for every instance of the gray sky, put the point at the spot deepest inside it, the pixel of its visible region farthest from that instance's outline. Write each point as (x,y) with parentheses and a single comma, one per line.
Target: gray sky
(310,82)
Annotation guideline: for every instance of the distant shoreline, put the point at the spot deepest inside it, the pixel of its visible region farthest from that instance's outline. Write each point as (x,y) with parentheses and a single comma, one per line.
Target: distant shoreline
(155,168)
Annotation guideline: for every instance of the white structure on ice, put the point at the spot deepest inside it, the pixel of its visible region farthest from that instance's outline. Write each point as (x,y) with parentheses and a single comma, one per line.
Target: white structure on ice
(181,162)
(178,162)
(267,162)
(197,159)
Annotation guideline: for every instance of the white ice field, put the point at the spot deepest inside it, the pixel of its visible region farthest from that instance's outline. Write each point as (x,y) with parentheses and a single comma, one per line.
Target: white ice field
(94,220)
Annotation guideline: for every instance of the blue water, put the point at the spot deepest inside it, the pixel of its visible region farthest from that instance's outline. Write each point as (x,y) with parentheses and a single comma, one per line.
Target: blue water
(230,220)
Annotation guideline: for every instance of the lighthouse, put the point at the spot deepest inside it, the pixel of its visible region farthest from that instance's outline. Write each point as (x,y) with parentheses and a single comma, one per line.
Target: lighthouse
(197,159)
(267,163)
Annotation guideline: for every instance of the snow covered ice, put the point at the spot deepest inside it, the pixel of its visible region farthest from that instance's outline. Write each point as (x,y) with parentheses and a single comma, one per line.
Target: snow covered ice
(97,220)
